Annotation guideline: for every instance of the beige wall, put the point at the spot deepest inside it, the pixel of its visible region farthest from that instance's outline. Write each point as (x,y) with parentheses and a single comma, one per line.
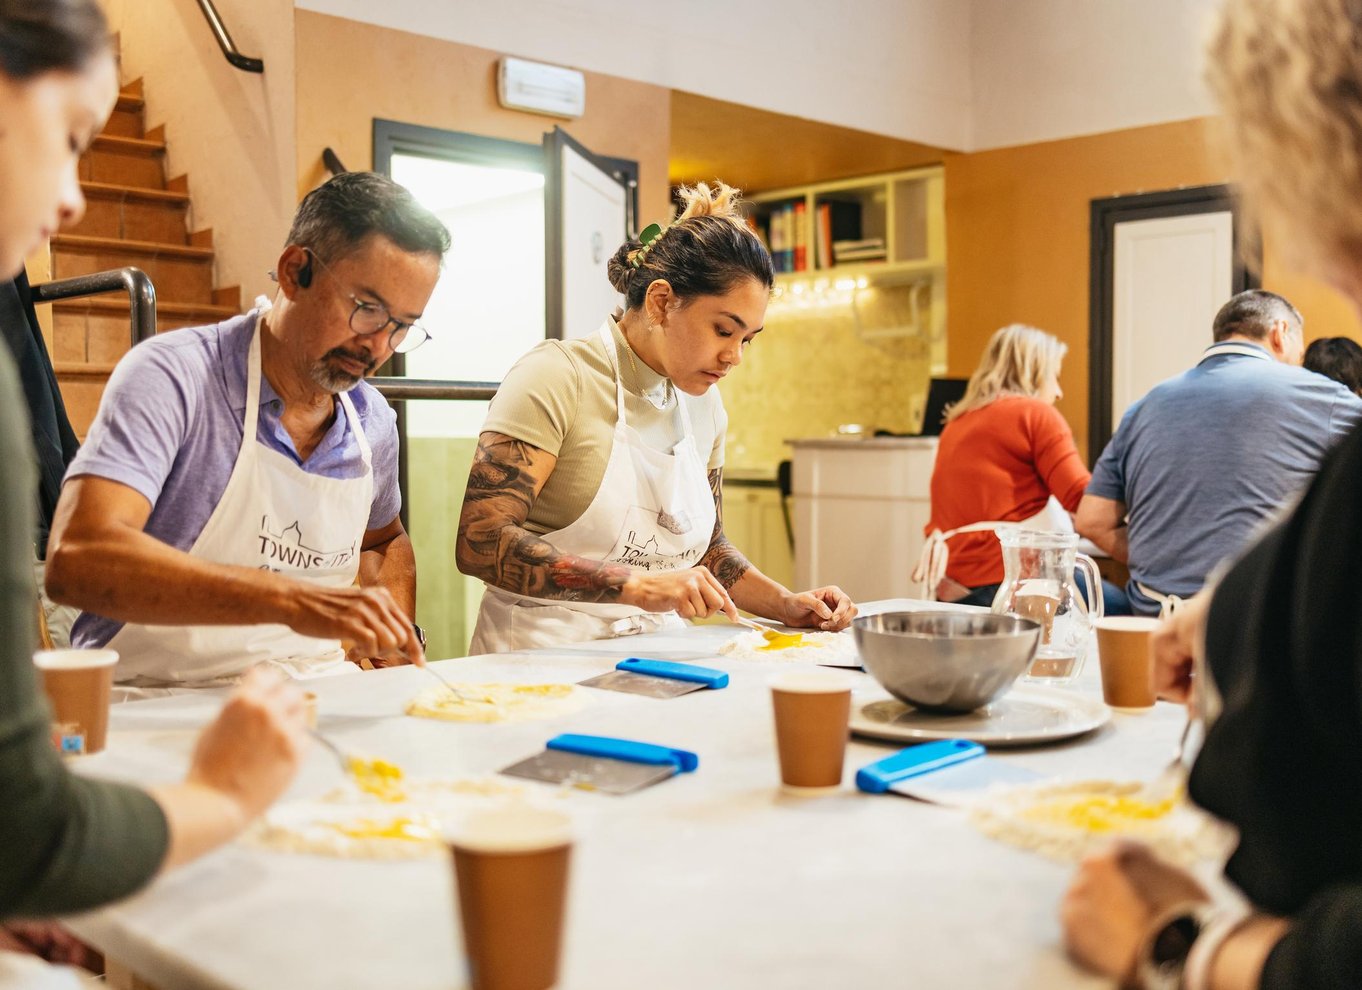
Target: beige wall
(350,73)
(232,132)
(1017,240)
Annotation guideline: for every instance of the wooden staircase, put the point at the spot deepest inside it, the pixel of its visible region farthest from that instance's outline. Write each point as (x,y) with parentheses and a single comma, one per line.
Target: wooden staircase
(133,216)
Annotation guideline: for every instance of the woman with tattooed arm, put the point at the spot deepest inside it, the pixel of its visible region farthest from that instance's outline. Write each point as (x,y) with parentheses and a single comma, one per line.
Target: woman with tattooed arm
(594,504)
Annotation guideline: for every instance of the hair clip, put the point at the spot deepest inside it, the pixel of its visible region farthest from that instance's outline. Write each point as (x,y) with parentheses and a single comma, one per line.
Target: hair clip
(648,237)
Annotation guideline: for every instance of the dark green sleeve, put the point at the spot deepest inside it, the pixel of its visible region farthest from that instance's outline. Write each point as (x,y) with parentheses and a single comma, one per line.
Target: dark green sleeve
(66,843)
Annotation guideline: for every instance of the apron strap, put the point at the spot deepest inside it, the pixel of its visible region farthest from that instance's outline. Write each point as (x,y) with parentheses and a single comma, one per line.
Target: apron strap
(931,563)
(608,339)
(1168,604)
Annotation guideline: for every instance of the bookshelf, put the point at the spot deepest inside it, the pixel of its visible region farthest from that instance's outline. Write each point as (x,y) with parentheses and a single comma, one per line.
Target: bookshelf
(842,243)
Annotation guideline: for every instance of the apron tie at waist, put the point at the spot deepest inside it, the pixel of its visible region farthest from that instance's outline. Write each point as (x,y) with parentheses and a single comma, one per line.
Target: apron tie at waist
(931,565)
(1168,604)
(930,569)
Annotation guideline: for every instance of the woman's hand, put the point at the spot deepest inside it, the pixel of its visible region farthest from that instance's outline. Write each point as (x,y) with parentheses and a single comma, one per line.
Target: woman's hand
(693,593)
(1114,898)
(250,753)
(1174,644)
(823,608)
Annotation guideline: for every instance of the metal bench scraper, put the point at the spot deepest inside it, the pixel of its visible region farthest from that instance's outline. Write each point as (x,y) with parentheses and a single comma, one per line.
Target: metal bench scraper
(602,763)
(657,678)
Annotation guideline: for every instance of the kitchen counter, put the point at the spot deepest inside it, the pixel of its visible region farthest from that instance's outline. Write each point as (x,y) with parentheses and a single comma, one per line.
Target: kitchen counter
(712,879)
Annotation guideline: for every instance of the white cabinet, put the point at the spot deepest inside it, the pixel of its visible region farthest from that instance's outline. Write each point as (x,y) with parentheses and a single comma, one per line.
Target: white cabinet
(755,523)
(860,507)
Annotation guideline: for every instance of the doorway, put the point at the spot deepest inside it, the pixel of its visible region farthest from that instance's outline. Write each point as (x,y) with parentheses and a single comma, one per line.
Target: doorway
(1161,265)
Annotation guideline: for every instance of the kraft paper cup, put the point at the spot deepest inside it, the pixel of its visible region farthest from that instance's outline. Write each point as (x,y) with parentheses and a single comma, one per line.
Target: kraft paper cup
(78,684)
(511,872)
(1123,646)
(812,711)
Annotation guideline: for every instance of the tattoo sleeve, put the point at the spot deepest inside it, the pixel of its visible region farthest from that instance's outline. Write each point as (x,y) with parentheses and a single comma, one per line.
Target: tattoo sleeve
(493,545)
(724,560)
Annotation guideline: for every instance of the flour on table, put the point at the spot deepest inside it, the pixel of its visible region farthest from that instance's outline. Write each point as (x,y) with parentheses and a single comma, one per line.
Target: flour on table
(1066,821)
(496,702)
(351,823)
(831,648)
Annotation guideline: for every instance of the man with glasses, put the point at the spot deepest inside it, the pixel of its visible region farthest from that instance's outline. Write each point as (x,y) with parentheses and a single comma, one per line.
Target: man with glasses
(236,500)
(1206,458)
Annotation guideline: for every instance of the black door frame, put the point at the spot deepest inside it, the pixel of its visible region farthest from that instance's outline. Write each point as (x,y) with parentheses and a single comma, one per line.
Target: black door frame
(623,170)
(1106,214)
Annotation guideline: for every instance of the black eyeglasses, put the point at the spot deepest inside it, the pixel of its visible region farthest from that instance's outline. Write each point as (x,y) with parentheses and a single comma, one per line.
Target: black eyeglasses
(369,318)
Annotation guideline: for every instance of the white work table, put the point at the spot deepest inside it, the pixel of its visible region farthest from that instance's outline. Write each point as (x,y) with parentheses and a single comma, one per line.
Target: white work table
(712,879)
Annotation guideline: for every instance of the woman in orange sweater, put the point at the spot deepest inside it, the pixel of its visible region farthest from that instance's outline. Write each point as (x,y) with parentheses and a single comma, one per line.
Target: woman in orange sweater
(1006,456)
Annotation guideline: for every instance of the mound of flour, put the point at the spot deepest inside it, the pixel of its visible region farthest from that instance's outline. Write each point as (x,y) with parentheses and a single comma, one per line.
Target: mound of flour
(832,648)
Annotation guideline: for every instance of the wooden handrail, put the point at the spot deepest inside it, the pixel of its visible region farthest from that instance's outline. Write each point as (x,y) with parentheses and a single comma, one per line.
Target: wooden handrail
(243,62)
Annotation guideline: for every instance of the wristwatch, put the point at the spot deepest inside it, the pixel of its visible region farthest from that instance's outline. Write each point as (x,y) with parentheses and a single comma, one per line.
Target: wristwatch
(420,635)
(1163,955)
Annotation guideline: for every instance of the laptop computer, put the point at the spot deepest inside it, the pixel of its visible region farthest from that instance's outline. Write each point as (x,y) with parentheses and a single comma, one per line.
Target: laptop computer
(941,393)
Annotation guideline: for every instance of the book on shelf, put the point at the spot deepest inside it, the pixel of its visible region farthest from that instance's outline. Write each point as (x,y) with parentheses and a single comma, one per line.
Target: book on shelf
(801,239)
(836,221)
(865,249)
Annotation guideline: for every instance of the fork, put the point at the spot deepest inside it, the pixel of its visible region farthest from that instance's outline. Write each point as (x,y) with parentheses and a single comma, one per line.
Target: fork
(341,755)
(1173,776)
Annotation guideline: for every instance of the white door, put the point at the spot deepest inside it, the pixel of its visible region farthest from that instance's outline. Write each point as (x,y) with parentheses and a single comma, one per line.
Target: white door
(589,215)
(1171,276)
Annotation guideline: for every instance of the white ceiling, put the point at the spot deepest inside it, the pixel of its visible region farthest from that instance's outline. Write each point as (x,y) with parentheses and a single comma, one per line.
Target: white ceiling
(962,74)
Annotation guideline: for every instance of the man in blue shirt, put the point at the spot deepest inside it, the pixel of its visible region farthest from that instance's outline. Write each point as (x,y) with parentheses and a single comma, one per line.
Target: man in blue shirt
(1204,459)
(236,499)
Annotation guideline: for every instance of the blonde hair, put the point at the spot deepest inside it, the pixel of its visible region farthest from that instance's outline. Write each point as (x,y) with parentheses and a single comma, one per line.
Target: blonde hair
(1288,77)
(705,251)
(1018,360)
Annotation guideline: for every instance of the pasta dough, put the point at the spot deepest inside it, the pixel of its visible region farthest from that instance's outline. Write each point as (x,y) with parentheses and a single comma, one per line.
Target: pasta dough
(496,702)
(1068,820)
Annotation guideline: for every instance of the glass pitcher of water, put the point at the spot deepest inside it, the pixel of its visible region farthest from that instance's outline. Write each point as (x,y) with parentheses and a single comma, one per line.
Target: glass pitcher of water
(1038,584)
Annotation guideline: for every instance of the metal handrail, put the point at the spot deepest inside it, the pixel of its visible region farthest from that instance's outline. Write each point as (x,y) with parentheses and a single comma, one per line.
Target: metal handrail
(413,389)
(134,281)
(225,42)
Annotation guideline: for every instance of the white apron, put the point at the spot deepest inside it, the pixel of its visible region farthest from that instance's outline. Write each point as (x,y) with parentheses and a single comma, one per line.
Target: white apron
(275,516)
(930,569)
(654,512)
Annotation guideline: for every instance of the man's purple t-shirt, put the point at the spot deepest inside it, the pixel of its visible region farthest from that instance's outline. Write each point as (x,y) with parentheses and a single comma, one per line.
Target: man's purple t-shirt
(170,423)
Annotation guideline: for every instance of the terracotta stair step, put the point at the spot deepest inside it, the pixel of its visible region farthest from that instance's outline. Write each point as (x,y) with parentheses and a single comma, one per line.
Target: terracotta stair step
(96,329)
(181,273)
(130,98)
(133,213)
(82,385)
(126,160)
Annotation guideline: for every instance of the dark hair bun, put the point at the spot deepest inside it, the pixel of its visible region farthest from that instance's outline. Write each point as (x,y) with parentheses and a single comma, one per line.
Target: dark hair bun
(620,268)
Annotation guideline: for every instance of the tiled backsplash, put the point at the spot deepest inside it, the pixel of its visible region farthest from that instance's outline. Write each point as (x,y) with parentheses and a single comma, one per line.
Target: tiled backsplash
(816,367)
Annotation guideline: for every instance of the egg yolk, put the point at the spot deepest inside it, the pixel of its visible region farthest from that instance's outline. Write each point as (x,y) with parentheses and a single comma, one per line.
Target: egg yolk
(1100,812)
(378,777)
(781,641)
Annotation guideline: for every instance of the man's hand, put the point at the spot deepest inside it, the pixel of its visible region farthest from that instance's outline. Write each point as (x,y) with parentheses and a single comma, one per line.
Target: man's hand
(367,621)
(826,608)
(1114,898)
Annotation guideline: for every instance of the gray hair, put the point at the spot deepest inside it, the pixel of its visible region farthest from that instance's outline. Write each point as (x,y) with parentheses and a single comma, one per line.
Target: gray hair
(338,215)
(1252,313)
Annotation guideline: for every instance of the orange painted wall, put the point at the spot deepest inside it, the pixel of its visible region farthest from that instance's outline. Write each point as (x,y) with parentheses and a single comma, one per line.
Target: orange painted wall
(349,73)
(1017,240)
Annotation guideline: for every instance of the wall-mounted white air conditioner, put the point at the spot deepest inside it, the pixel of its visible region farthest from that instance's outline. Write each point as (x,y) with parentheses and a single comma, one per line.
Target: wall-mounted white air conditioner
(540,88)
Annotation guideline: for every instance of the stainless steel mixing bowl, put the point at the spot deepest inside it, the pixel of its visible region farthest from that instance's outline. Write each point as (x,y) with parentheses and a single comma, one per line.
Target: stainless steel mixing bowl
(946,661)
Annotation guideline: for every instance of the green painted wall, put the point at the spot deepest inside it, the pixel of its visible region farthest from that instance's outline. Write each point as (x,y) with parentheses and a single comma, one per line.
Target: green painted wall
(446,601)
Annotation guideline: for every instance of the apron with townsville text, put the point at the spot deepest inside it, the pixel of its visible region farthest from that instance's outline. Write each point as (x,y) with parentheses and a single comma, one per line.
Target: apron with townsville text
(654,512)
(274,516)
